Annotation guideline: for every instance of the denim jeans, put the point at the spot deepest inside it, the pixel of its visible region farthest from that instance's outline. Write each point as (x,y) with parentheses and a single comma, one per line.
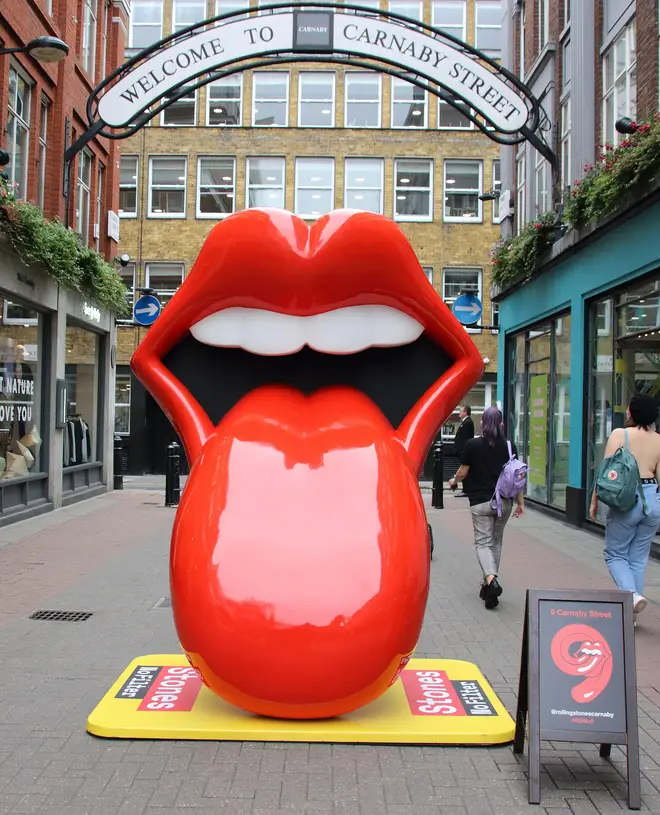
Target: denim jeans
(488,532)
(628,537)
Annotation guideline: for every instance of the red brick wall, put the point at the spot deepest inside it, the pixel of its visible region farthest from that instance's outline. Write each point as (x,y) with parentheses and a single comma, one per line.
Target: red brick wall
(67,87)
(647,58)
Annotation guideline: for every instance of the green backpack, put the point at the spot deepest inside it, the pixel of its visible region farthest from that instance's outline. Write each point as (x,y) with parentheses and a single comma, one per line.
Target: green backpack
(618,478)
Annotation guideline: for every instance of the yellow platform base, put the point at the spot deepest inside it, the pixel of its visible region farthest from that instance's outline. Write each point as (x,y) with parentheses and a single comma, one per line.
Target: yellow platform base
(435,701)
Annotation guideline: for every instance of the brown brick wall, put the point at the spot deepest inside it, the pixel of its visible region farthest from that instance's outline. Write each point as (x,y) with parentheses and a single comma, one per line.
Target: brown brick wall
(647,58)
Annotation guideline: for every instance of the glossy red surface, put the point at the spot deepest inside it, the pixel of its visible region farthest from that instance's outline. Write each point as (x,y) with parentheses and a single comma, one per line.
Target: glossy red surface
(300,560)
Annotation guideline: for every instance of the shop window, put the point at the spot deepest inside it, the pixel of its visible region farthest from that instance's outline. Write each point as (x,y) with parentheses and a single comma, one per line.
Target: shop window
(89,36)
(164,279)
(488,27)
(316,99)
(363,179)
(41,160)
(413,190)
(463,186)
(224,102)
(182,112)
(83,195)
(409,108)
(18,131)
(413,9)
(123,402)
(363,93)
(451,116)
(315,186)
(265,182)
(270,99)
(450,16)
(146,26)
(187,13)
(497,187)
(128,173)
(216,182)
(81,442)
(619,83)
(21,395)
(479,398)
(167,186)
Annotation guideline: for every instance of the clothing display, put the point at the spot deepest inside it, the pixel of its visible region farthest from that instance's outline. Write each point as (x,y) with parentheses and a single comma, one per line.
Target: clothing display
(77,442)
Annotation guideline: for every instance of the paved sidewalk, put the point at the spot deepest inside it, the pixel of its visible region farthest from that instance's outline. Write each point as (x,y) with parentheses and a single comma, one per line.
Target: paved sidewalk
(110,556)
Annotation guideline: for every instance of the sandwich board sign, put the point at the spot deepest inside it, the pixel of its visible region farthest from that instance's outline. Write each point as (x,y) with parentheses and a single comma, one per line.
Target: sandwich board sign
(577,677)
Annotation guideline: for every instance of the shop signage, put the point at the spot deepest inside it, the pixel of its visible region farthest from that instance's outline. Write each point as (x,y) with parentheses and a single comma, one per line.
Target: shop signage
(18,390)
(25,280)
(538,430)
(113,226)
(91,312)
(410,48)
(577,677)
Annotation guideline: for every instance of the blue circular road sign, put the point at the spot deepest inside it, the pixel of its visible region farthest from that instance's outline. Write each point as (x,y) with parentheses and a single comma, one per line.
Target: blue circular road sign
(146,309)
(468,309)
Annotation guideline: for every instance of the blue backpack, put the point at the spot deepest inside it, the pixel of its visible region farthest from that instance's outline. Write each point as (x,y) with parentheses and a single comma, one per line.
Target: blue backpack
(618,478)
(511,482)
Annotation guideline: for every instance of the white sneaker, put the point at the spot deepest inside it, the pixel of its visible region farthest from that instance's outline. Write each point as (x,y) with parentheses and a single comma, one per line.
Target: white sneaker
(639,603)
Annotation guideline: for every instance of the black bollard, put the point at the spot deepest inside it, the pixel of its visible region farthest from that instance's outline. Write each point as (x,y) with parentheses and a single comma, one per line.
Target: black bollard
(172,482)
(118,464)
(437,497)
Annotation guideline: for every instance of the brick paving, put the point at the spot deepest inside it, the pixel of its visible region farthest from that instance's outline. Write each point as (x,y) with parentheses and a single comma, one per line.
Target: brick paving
(109,556)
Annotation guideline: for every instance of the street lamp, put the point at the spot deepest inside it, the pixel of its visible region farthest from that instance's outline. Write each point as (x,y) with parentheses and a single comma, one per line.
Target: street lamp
(43,49)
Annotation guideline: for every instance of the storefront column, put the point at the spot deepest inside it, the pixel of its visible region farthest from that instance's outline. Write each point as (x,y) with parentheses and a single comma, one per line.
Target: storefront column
(575,492)
(109,363)
(58,360)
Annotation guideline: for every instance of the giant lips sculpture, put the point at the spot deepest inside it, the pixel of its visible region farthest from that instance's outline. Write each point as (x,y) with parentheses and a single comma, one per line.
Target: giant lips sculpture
(307,370)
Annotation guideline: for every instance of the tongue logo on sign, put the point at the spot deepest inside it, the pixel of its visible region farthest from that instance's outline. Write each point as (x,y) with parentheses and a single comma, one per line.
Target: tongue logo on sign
(300,550)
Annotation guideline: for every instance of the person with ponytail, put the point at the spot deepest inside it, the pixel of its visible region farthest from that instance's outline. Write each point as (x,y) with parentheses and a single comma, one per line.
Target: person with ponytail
(482,461)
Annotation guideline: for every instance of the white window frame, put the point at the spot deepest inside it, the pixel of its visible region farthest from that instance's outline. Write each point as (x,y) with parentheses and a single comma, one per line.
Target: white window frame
(496,178)
(123,404)
(100,176)
(104,40)
(163,113)
(255,101)
(24,122)
(565,143)
(347,81)
(25,321)
(393,102)
(420,9)
(542,23)
(299,161)
(184,185)
(214,216)
(156,266)
(302,102)
(225,6)
(176,3)
(428,271)
(83,195)
(278,187)
(121,213)
(521,190)
(130,270)
(373,4)
(567,12)
(458,219)
(484,4)
(133,25)
(397,189)
(381,162)
(450,300)
(457,31)
(541,186)
(220,101)
(628,36)
(88,55)
(522,21)
(470,124)
(494,317)
(43,150)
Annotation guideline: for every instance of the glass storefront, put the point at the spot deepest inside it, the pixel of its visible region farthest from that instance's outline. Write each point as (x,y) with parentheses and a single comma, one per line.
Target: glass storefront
(538,406)
(21,397)
(482,395)
(624,359)
(82,443)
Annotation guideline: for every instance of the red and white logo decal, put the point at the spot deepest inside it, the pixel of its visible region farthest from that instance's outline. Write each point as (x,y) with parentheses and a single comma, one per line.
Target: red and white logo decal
(431,693)
(175,689)
(613,475)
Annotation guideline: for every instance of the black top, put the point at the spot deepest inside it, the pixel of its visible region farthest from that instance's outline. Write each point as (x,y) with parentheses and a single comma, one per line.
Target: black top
(485,463)
(464,433)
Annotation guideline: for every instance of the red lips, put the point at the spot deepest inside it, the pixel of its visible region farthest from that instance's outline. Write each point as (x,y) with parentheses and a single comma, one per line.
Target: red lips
(579,650)
(300,560)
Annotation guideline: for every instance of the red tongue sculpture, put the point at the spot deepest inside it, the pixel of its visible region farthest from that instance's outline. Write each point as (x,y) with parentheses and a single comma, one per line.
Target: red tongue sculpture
(300,553)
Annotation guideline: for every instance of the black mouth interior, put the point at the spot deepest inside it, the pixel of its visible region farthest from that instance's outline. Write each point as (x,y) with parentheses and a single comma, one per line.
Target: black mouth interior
(393,378)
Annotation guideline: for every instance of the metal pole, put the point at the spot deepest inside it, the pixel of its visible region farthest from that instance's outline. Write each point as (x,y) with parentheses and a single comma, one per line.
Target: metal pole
(118,463)
(172,480)
(437,497)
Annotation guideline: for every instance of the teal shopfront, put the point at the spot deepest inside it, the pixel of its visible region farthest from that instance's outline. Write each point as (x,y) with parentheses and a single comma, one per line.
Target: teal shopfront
(576,342)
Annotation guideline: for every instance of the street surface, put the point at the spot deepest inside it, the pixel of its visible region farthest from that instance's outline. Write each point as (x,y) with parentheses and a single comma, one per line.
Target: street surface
(109,556)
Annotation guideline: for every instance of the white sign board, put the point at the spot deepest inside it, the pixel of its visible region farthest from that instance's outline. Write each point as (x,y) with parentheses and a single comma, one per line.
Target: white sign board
(113,225)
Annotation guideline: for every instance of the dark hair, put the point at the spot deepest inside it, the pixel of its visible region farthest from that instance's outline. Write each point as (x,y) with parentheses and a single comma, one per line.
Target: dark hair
(467,409)
(643,410)
(492,425)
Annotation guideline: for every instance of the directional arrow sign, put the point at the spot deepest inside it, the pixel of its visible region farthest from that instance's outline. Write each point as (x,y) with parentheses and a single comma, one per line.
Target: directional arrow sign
(468,309)
(146,309)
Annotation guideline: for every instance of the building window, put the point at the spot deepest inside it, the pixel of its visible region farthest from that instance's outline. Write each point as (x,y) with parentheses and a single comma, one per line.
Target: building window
(619,83)
(316,99)
(488,27)
(363,184)
(463,186)
(182,112)
(99,206)
(104,39)
(216,186)
(457,281)
(543,22)
(187,13)
(522,22)
(428,271)
(413,190)
(164,279)
(270,99)
(123,402)
(127,274)
(265,182)
(497,186)
(408,104)
(83,195)
(89,36)
(315,186)
(541,174)
(18,132)
(43,136)
(412,9)
(494,318)
(566,64)
(167,186)
(224,102)
(566,143)
(521,198)
(451,116)
(128,173)
(363,100)
(373,4)
(227,6)
(146,26)
(450,16)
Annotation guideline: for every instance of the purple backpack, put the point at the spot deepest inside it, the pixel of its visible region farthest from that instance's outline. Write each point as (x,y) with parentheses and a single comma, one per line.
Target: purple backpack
(512,481)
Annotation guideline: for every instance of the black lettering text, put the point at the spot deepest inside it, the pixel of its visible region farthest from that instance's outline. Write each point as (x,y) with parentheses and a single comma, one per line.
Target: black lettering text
(165,71)
(266,34)
(438,59)
(130,94)
(352,25)
(425,56)
(144,83)
(198,56)
(181,58)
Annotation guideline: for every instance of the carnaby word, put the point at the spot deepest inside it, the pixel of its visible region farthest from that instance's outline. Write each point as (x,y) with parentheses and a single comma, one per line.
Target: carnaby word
(12,413)
(92,312)
(318,29)
(11,384)
(583,614)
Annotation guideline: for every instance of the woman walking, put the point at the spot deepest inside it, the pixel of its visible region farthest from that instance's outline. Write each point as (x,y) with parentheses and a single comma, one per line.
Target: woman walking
(628,535)
(482,461)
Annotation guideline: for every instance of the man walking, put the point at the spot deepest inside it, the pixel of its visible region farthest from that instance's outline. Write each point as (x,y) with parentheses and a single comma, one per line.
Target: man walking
(464,433)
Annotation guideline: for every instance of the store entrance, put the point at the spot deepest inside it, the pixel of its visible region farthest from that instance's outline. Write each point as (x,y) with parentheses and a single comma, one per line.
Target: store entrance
(160,435)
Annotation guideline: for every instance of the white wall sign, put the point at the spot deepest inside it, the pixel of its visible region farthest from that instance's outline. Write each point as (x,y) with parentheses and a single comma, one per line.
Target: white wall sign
(113,225)
(91,312)
(430,58)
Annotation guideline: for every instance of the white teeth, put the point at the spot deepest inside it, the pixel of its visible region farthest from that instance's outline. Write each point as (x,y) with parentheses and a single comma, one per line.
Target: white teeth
(342,331)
